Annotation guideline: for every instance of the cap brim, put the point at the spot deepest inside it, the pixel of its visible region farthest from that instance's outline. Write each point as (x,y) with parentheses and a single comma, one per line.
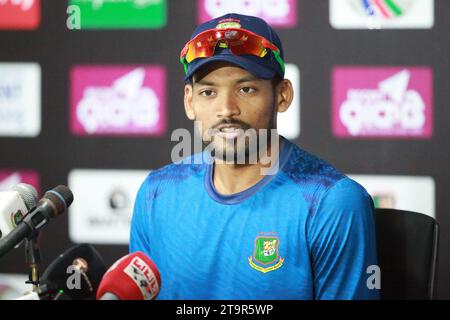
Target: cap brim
(246,62)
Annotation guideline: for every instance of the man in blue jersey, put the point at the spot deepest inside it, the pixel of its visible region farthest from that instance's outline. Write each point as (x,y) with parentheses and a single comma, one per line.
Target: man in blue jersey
(220,229)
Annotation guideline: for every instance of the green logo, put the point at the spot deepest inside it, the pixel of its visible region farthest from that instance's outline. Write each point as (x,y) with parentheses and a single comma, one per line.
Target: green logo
(121,14)
(266,256)
(226,25)
(17,217)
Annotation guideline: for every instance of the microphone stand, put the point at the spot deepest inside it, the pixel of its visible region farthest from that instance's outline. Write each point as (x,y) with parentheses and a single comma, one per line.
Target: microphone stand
(33,258)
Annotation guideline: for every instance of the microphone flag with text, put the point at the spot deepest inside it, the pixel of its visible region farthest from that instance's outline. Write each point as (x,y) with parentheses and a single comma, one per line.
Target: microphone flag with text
(133,277)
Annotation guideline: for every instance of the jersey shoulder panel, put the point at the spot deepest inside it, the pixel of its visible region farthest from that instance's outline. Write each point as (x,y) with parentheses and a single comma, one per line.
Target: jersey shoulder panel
(312,175)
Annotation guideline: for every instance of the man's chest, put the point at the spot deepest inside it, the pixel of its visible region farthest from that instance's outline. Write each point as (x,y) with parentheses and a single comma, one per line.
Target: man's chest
(256,245)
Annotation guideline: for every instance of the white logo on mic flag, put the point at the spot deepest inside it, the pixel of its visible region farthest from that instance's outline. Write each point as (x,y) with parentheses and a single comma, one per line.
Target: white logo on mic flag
(143,276)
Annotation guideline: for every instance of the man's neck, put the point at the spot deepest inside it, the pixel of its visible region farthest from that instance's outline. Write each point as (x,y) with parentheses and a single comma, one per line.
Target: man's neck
(233,178)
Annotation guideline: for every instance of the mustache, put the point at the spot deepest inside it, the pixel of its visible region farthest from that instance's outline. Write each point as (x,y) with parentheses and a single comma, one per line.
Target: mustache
(242,124)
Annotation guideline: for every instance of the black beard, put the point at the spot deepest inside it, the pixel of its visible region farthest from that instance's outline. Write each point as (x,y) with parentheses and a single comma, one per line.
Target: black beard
(235,154)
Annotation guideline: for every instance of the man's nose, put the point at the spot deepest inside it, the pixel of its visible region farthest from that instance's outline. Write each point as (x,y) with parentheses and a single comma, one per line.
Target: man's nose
(227,106)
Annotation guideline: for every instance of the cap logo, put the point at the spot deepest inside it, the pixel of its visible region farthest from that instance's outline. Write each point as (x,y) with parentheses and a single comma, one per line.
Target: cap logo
(228,23)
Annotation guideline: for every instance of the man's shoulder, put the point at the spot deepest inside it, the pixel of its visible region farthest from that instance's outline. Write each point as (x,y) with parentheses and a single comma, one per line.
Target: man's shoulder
(347,187)
(309,171)
(347,193)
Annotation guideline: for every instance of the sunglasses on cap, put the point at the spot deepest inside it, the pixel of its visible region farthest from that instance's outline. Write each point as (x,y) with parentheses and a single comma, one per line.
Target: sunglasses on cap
(238,41)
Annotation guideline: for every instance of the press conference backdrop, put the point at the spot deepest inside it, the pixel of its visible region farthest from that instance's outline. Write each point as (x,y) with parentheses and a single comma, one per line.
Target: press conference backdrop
(90,92)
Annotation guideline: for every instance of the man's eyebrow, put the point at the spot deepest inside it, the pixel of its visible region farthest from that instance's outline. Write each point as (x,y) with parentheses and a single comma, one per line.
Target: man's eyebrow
(248,78)
(203,82)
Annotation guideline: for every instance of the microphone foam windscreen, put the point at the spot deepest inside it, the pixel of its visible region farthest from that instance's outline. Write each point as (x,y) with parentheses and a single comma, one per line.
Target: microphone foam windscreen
(66,193)
(28,194)
(78,272)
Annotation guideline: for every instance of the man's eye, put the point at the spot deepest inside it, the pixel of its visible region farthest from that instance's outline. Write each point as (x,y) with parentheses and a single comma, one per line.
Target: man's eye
(247,90)
(207,93)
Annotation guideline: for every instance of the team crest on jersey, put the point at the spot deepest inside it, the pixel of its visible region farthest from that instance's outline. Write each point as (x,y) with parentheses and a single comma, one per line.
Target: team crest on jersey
(266,255)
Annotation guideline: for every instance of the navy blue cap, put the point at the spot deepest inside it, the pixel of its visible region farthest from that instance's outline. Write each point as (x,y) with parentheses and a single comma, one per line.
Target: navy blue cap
(263,68)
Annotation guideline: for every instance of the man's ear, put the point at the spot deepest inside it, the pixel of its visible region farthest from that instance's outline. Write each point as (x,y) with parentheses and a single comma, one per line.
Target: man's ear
(284,95)
(188,108)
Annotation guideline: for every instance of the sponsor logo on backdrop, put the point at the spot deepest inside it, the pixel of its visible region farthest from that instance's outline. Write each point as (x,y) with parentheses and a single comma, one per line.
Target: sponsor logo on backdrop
(288,123)
(20,14)
(382,102)
(104,206)
(118,100)
(20,99)
(113,14)
(9,178)
(278,13)
(400,192)
(382,14)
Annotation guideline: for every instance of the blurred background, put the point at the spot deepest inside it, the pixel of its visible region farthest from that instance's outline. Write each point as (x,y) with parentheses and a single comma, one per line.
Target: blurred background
(91,91)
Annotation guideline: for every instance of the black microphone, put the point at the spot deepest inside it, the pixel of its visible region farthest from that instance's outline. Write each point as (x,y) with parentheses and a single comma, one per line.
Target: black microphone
(52,204)
(73,275)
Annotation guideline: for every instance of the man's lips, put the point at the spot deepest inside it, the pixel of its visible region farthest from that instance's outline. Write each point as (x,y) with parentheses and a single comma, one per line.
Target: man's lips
(229,131)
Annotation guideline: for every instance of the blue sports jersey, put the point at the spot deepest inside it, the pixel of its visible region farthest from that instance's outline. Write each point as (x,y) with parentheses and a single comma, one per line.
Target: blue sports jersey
(306,232)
